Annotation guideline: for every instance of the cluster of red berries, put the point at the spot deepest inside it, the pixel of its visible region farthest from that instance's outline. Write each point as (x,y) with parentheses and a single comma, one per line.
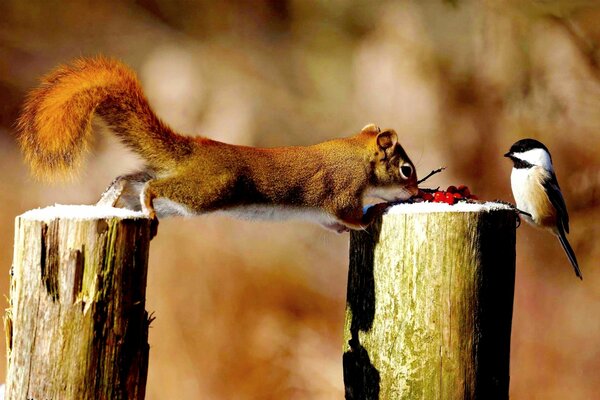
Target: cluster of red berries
(450,196)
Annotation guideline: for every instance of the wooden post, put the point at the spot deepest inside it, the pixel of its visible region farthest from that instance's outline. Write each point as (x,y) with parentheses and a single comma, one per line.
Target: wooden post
(429,306)
(77,327)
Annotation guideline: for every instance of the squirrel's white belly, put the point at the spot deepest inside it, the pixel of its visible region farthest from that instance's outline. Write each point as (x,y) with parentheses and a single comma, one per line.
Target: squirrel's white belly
(168,208)
(280,213)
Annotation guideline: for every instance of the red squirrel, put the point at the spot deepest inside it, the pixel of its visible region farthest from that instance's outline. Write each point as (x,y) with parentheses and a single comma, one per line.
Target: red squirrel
(325,182)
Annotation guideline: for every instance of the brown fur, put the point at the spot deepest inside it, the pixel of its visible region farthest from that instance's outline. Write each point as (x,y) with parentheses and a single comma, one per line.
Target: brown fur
(201,174)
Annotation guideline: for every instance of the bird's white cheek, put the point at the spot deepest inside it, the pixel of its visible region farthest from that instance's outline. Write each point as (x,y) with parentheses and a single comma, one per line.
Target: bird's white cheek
(537,157)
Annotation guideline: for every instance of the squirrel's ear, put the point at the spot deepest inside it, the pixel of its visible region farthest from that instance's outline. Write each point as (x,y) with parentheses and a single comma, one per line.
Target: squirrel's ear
(371,128)
(387,139)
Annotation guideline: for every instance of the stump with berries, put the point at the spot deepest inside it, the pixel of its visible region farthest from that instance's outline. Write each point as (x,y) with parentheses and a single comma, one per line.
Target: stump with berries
(430,300)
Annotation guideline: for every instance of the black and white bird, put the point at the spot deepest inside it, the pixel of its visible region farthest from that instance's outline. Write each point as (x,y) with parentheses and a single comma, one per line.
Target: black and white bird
(537,193)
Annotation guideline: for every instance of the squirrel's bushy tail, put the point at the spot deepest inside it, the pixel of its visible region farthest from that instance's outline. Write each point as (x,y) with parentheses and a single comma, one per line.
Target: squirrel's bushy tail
(55,124)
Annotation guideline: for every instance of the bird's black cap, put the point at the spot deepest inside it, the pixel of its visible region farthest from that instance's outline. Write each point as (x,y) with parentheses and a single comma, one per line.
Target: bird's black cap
(524,145)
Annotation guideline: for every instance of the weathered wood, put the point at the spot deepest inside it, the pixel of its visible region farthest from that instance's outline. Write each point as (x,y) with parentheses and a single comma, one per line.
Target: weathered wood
(77,324)
(429,306)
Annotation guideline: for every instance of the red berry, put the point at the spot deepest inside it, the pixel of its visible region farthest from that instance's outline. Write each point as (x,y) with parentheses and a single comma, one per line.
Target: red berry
(449,198)
(457,195)
(451,189)
(439,196)
(461,188)
(427,196)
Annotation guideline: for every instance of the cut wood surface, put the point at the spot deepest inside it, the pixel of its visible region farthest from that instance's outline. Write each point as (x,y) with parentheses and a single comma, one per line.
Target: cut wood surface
(429,306)
(77,327)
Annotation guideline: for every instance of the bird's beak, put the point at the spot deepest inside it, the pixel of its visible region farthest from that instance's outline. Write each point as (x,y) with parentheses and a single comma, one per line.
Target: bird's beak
(508,154)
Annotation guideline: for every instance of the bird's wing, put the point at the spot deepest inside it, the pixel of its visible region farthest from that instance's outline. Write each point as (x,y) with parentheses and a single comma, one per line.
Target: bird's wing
(557,200)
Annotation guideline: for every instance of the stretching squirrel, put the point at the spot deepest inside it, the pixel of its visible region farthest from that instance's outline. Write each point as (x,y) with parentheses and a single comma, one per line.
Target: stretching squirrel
(325,183)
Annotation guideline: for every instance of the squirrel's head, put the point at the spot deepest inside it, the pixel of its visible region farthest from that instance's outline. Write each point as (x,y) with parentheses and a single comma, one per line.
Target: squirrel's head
(393,176)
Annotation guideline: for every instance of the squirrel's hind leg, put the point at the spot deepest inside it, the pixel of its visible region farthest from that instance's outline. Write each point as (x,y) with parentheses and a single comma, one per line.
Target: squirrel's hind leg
(158,198)
(185,195)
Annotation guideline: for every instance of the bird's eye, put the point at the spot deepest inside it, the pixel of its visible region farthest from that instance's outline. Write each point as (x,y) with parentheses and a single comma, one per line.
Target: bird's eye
(406,171)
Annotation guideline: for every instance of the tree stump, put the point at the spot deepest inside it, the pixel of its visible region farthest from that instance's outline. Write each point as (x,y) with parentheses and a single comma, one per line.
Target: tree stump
(429,304)
(77,327)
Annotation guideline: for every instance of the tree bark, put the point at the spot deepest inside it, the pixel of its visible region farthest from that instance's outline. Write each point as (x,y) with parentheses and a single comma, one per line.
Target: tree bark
(429,306)
(77,327)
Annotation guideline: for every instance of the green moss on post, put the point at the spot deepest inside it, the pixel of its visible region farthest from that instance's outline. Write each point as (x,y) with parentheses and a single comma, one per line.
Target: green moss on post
(77,324)
(429,306)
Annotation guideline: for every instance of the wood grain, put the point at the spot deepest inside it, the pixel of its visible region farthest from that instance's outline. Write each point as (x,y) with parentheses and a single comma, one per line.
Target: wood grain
(429,306)
(77,324)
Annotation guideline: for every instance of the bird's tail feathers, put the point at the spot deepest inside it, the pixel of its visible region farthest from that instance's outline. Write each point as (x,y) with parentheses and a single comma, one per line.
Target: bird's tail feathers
(570,253)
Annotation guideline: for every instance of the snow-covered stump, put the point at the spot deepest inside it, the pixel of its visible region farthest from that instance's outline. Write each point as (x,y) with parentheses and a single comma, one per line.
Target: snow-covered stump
(76,326)
(429,303)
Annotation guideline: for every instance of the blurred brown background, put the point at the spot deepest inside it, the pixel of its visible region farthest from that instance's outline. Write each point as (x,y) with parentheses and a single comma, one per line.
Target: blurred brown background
(251,310)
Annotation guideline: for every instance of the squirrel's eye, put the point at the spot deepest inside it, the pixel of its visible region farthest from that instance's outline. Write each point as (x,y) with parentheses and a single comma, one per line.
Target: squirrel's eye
(406,171)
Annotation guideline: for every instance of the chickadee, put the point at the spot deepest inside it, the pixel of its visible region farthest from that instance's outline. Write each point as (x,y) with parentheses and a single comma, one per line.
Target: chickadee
(537,193)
